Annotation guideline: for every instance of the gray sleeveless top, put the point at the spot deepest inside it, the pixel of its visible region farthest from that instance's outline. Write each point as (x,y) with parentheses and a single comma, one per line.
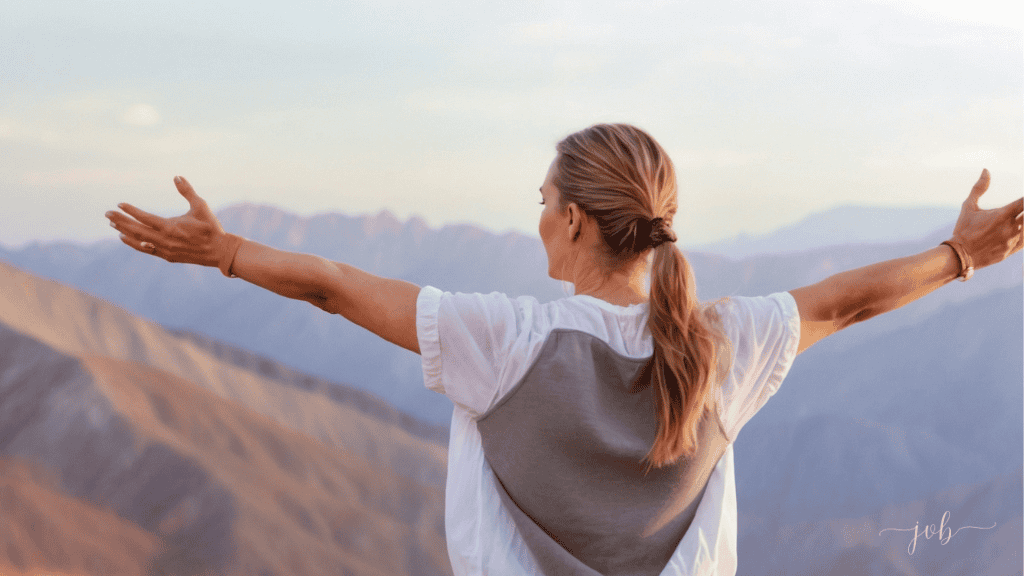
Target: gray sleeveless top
(566,445)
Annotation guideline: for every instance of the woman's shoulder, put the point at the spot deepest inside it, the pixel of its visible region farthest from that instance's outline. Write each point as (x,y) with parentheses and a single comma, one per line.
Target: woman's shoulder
(763,332)
(742,314)
(623,328)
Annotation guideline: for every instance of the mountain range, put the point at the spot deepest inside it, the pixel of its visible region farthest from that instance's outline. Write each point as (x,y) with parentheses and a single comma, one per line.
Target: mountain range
(888,422)
(838,226)
(456,258)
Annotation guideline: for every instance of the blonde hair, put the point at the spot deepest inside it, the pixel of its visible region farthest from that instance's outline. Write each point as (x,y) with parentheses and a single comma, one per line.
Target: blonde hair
(620,176)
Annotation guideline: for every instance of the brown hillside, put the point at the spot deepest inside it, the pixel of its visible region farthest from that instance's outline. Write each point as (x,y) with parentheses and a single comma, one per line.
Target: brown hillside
(78,324)
(174,461)
(47,532)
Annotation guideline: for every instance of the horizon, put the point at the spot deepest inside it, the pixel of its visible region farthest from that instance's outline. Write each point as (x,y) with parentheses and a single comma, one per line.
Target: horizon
(405,218)
(771,111)
(386,212)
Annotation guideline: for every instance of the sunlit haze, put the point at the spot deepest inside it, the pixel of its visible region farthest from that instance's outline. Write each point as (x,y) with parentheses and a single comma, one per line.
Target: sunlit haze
(771,109)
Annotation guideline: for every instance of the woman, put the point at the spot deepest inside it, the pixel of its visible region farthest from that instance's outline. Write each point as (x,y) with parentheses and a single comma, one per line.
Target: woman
(593,434)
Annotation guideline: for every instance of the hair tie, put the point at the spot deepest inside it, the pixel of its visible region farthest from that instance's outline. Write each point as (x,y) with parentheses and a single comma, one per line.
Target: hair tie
(661,232)
(644,233)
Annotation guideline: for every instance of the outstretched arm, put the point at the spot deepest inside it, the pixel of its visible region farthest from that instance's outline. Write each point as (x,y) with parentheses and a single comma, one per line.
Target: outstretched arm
(987,236)
(384,306)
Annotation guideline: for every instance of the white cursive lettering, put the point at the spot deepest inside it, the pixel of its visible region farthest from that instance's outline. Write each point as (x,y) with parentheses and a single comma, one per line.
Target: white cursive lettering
(943,532)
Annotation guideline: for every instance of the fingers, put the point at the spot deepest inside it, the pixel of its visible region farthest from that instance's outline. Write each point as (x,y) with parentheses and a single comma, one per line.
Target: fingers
(134,230)
(979,188)
(151,220)
(141,246)
(1015,208)
(187,191)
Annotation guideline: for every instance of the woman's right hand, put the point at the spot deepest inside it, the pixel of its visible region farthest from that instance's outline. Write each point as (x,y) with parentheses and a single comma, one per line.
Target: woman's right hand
(195,237)
(989,236)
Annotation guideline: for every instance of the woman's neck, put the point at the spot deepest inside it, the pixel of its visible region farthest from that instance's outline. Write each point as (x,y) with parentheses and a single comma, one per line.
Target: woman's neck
(619,288)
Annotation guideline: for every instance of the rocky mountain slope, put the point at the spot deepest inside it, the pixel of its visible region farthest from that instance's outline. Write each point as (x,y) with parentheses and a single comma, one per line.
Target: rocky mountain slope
(125,449)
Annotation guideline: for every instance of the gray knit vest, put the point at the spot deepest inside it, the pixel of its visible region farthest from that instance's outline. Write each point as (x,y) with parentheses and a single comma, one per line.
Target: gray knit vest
(566,445)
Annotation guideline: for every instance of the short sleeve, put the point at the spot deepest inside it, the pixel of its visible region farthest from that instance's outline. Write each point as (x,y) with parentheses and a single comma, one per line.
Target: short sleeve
(468,341)
(765,334)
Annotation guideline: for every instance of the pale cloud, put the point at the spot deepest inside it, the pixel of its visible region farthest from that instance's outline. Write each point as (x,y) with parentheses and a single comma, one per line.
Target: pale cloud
(720,158)
(77,177)
(97,135)
(190,140)
(1002,13)
(720,55)
(577,63)
(936,158)
(867,49)
(465,102)
(561,32)
(91,122)
(763,36)
(422,103)
(645,5)
(747,46)
(141,115)
(929,128)
(90,103)
(965,157)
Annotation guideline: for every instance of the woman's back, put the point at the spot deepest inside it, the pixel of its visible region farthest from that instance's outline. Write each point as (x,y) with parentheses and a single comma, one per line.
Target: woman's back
(545,463)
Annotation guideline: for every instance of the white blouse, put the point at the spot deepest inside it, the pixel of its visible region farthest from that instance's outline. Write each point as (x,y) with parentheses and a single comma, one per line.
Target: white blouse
(476,347)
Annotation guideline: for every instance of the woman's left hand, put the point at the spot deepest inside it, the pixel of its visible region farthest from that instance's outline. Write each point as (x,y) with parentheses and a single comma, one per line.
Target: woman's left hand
(195,237)
(989,236)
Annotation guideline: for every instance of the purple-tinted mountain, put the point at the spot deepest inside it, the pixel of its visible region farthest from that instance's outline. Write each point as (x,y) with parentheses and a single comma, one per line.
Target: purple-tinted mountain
(125,449)
(840,226)
(890,411)
(455,258)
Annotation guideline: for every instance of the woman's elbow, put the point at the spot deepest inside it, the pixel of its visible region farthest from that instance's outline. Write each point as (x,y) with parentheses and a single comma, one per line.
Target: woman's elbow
(318,285)
(318,301)
(860,316)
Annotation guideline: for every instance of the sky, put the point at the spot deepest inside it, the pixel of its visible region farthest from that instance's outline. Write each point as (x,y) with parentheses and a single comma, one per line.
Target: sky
(771,109)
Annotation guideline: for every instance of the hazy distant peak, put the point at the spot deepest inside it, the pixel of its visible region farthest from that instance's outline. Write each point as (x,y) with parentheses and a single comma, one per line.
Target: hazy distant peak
(384,222)
(254,220)
(248,210)
(847,212)
(417,224)
(259,220)
(841,225)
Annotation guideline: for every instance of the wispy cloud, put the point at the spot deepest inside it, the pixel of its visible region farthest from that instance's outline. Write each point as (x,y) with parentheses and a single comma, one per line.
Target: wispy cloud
(717,158)
(141,115)
(364,106)
(78,177)
(966,157)
(562,32)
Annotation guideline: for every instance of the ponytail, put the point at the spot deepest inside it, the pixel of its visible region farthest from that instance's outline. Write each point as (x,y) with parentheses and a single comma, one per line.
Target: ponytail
(622,177)
(691,355)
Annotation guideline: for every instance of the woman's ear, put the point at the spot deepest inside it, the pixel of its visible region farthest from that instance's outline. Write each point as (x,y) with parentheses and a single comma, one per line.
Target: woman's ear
(575,220)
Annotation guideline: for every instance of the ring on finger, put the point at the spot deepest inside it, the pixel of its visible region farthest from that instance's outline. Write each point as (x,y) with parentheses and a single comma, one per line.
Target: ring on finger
(148,246)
